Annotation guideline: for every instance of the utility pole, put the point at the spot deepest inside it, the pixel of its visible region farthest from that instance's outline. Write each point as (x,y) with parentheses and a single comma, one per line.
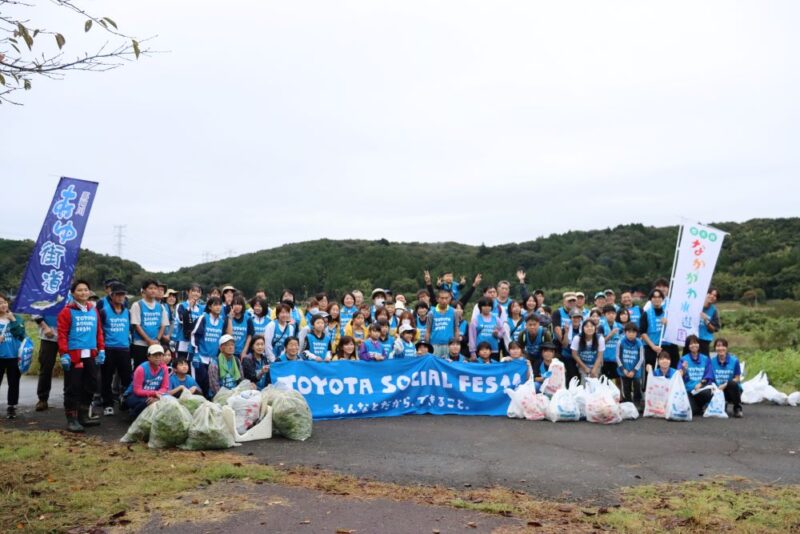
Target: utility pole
(207,257)
(119,234)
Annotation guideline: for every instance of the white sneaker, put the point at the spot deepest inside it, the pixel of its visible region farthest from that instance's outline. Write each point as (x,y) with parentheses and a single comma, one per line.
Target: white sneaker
(109,410)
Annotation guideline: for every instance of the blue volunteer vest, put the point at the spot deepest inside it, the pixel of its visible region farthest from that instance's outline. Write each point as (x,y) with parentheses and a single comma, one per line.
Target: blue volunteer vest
(629,354)
(318,346)
(695,371)
(152,382)
(610,354)
(515,329)
(409,350)
(228,381)
(373,348)
(260,324)
(443,325)
(8,348)
(484,329)
(635,313)
(589,354)
(654,325)
(150,320)
(82,330)
(116,328)
(194,314)
(279,337)
(259,364)
(388,344)
(724,373)
(702,330)
(239,327)
(208,344)
(345,315)
(533,346)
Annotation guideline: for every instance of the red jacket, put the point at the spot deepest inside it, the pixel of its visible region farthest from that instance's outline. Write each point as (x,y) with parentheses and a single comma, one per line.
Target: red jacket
(65,325)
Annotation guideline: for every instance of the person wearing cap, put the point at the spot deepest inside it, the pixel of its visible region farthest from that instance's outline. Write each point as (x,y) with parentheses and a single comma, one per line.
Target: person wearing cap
(372,349)
(562,316)
(48,351)
(571,332)
(207,332)
(317,342)
(442,325)
(378,297)
(107,299)
(150,382)
(611,298)
(170,302)
(580,304)
(423,348)
(404,344)
(599,300)
(116,323)
(149,321)
(225,371)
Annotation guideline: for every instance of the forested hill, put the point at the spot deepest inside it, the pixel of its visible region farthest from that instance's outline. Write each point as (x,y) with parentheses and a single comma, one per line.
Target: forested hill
(760,254)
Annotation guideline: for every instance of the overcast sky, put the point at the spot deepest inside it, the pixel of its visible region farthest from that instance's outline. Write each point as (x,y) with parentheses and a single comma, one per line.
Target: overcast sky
(275,122)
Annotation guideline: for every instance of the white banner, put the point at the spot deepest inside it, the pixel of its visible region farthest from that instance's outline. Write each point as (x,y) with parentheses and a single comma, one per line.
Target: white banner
(698,251)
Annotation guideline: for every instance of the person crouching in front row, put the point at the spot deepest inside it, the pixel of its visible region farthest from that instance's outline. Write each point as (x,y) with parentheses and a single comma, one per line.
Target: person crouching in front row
(150,382)
(225,371)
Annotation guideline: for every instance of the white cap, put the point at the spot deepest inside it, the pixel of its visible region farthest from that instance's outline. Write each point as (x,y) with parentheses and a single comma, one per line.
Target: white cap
(405,328)
(155,349)
(225,338)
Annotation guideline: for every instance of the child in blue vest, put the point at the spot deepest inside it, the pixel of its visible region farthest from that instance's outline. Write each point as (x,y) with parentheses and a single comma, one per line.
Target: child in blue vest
(150,382)
(446,283)
(116,322)
(442,324)
(612,332)
(180,380)
(728,375)
(404,344)
(454,351)
(515,353)
(12,332)
(697,374)
(629,354)
(663,366)
(372,349)
(541,371)
(587,350)
(485,327)
(225,370)
(484,353)
(532,338)
(82,349)
(386,338)
(317,342)
(207,332)
(423,348)
(255,366)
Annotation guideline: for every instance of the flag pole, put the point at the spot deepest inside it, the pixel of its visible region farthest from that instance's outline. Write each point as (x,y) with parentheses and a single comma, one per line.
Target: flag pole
(671,280)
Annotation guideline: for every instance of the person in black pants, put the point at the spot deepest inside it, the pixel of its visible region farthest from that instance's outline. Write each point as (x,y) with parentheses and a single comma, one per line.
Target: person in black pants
(727,375)
(48,350)
(116,323)
(12,331)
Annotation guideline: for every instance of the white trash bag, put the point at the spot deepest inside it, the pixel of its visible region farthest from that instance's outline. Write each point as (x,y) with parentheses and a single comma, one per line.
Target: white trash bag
(515,409)
(534,407)
(656,396)
(247,408)
(716,408)
(556,380)
(628,410)
(793,399)
(562,407)
(601,408)
(578,393)
(678,406)
(615,393)
(753,389)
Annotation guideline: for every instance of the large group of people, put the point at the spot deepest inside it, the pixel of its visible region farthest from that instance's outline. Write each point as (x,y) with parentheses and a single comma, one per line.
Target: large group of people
(163,343)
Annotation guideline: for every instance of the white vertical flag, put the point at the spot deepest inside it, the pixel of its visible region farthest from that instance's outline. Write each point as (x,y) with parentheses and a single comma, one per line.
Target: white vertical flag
(698,251)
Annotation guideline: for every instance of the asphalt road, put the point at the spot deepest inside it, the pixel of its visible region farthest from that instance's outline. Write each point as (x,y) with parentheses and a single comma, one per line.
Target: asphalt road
(566,460)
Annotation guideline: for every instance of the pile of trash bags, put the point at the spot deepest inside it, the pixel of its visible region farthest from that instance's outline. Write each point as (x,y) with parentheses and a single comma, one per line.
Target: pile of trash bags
(758,389)
(234,415)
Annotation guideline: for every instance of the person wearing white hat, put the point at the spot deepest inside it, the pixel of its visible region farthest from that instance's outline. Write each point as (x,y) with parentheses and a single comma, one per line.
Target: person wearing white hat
(225,371)
(404,344)
(150,382)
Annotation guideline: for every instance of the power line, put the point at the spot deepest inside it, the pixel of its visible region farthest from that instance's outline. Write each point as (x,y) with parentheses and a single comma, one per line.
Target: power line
(119,234)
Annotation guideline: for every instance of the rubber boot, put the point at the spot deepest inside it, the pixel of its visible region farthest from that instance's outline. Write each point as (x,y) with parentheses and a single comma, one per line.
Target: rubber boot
(72,422)
(84,419)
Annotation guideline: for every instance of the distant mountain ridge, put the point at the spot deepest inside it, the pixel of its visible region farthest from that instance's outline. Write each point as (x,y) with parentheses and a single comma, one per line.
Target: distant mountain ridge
(761,254)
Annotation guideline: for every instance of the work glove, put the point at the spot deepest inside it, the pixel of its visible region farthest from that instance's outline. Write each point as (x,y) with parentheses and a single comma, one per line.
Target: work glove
(101,358)
(66,362)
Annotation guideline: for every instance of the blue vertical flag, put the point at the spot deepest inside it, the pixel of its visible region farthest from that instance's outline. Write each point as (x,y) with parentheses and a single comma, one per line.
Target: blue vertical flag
(52,263)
